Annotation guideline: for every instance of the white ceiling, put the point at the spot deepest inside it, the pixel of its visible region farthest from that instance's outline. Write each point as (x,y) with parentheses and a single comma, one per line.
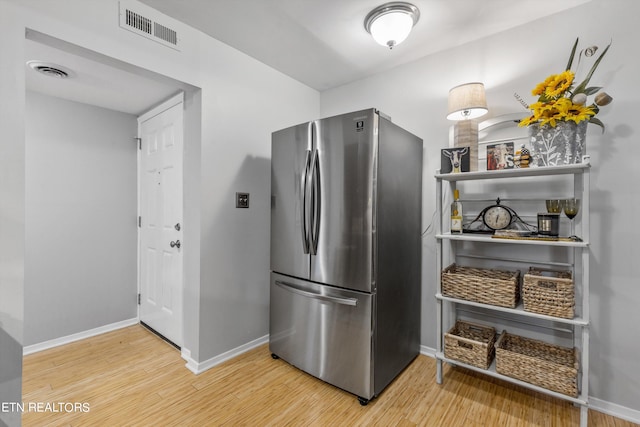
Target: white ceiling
(94,82)
(321,43)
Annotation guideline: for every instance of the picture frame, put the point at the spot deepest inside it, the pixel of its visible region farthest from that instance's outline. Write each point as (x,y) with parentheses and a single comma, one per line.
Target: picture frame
(500,156)
(455,160)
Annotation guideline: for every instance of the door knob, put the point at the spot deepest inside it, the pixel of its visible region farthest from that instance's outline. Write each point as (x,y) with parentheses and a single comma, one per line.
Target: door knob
(175,244)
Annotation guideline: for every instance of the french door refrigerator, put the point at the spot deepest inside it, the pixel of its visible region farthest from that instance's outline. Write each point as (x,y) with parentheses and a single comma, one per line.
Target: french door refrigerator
(345,250)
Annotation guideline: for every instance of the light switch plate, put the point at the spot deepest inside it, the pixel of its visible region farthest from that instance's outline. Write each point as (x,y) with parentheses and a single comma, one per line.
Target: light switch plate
(242,200)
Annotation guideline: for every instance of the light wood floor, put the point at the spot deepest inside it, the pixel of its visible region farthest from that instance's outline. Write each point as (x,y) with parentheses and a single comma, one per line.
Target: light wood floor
(132,378)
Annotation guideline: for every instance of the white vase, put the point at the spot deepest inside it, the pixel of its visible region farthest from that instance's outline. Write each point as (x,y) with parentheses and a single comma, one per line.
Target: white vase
(563,144)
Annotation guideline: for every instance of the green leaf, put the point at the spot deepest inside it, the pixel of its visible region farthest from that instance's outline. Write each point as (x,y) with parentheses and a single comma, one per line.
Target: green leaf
(585,82)
(544,98)
(592,90)
(573,52)
(596,121)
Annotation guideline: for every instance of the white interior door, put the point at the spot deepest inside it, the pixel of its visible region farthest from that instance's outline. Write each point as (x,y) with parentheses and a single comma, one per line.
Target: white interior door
(161,216)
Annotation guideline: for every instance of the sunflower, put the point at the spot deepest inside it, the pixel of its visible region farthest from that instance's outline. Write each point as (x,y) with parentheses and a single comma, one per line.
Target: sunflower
(542,87)
(555,85)
(559,84)
(561,109)
(579,113)
(556,93)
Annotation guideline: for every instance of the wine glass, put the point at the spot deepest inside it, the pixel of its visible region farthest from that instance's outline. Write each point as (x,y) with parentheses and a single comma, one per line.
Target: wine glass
(571,208)
(554,205)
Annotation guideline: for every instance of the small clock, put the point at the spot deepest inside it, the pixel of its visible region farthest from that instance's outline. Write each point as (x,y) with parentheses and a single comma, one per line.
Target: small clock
(496,217)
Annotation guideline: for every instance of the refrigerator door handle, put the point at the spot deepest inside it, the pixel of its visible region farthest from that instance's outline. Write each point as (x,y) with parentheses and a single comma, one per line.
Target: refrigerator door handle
(344,301)
(316,198)
(304,196)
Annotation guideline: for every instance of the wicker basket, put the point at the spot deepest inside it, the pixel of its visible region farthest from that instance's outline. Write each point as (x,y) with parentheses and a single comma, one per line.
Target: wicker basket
(536,362)
(549,292)
(495,287)
(470,343)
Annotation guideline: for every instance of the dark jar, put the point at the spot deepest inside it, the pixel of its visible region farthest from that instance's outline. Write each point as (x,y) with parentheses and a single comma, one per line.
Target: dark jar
(549,224)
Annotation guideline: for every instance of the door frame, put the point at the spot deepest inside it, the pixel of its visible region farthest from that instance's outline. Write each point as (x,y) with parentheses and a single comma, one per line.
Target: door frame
(176,99)
(193,116)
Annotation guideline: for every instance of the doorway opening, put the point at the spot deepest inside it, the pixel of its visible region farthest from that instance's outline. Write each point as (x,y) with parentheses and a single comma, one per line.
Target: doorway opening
(92,302)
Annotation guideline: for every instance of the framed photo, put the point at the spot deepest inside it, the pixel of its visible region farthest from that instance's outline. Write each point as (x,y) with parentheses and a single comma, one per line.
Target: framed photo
(500,156)
(455,160)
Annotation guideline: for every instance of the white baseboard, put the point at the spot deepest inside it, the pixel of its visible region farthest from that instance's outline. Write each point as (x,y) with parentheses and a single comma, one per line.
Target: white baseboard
(200,367)
(34,348)
(595,404)
(428,351)
(615,410)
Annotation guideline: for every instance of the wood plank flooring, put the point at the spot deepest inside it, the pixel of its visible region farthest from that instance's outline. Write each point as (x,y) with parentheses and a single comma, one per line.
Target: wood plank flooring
(130,377)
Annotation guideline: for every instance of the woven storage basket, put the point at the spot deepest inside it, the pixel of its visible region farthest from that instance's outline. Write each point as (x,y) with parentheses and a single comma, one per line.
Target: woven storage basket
(470,343)
(549,292)
(495,287)
(536,362)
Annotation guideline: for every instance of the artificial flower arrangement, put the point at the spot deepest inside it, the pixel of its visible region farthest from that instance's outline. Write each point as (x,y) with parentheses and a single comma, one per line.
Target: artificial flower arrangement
(560,100)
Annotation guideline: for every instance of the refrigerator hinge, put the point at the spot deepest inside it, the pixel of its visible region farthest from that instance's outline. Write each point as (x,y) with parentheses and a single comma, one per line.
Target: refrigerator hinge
(139,143)
(139,221)
(139,297)
(384,116)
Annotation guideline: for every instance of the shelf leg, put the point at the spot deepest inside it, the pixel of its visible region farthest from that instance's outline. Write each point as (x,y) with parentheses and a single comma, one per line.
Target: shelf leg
(584,415)
(439,371)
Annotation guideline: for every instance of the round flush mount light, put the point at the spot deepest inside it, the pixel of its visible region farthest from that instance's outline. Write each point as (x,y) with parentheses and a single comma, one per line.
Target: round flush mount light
(391,23)
(50,69)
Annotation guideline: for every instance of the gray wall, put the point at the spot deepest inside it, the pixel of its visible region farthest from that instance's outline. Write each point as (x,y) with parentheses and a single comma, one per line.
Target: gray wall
(11,212)
(81,209)
(10,376)
(514,62)
(241,102)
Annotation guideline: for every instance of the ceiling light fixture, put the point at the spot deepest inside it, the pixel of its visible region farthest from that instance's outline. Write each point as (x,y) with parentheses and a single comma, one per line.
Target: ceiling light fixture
(391,23)
(51,70)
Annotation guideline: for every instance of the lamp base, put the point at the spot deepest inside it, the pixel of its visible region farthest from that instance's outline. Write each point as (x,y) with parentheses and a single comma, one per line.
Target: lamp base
(465,134)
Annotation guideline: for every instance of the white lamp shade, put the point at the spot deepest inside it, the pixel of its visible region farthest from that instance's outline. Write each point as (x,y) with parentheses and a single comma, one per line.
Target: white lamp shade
(467,101)
(391,28)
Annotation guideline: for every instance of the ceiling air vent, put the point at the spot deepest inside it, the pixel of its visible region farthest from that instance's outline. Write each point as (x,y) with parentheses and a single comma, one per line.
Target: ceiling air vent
(50,69)
(138,22)
(165,33)
(147,27)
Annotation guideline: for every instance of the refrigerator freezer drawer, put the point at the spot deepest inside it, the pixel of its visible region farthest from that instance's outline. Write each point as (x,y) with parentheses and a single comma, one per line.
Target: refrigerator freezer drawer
(324,331)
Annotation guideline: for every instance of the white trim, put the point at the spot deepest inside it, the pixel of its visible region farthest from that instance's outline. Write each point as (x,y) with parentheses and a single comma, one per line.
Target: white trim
(200,367)
(185,353)
(34,348)
(510,118)
(428,351)
(163,106)
(599,405)
(618,411)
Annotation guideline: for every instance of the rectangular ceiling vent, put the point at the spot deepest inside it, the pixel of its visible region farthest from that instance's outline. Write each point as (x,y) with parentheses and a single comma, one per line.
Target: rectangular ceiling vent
(147,27)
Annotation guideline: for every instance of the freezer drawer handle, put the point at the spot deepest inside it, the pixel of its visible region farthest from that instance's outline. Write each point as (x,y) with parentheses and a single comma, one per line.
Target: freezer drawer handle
(345,301)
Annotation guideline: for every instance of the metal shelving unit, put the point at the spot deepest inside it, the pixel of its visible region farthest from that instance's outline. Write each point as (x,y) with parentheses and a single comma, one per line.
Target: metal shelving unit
(577,252)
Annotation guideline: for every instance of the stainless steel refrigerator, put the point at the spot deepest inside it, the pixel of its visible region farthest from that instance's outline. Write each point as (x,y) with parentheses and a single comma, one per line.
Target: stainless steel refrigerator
(345,249)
